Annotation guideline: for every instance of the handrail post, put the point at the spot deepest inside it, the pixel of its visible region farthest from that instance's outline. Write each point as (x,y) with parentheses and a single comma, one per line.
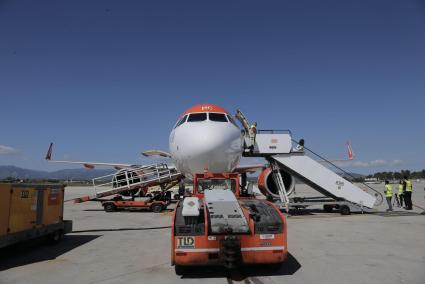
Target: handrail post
(126,177)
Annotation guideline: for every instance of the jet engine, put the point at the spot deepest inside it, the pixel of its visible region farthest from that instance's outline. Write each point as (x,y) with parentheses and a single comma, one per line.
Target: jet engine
(267,185)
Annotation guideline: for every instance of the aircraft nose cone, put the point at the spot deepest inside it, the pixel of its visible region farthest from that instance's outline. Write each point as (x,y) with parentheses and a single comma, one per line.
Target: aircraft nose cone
(216,148)
(207,143)
(213,152)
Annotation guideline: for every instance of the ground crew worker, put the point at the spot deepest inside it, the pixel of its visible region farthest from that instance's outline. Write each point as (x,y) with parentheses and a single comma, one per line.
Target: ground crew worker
(396,200)
(400,193)
(389,194)
(252,134)
(407,188)
(300,146)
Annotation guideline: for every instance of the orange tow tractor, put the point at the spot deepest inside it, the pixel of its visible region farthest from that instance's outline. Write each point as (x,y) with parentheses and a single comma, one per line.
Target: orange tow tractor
(156,203)
(219,225)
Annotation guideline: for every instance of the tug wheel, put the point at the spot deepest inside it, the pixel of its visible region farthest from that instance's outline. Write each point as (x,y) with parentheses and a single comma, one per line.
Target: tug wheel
(109,207)
(157,208)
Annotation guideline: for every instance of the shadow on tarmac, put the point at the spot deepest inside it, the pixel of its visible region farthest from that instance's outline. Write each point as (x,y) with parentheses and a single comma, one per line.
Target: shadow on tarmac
(397,214)
(37,250)
(309,211)
(289,267)
(321,212)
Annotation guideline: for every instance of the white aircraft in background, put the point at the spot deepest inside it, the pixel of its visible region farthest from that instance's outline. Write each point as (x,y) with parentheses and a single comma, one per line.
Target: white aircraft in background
(206,138)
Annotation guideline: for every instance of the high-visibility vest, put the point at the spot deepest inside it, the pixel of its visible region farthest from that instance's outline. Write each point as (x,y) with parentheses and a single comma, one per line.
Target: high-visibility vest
(400,189)
(408,185)
(388,190)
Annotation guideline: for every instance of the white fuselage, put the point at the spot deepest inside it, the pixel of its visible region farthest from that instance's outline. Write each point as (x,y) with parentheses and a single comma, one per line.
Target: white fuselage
(199,146)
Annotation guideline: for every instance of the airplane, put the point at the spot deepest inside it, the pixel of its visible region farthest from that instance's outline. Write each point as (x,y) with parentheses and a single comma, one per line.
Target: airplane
(205,138)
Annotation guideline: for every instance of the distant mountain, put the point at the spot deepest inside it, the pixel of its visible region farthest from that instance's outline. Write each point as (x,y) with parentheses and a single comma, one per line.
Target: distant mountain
(80,174)
(74,174)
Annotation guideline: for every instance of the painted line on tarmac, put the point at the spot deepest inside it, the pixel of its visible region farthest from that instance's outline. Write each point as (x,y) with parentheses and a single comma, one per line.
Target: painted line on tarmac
(243,279)
(255,280)
(414,205)
(249,280)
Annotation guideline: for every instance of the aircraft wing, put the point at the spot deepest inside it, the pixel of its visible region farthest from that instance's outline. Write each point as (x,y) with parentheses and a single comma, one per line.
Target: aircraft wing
(88,165)
(150,153)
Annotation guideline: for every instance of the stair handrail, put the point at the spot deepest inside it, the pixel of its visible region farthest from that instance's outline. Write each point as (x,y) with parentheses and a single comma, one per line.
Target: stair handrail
(377,193)
(156,172)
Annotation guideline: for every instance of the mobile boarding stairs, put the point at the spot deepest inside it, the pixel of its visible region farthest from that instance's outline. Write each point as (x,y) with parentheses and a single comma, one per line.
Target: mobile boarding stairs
(133,178)
(277,148)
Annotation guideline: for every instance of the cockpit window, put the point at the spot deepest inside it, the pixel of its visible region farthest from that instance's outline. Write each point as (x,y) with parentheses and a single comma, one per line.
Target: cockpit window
(181,121)
(219,117)
(195,117)
(232,120)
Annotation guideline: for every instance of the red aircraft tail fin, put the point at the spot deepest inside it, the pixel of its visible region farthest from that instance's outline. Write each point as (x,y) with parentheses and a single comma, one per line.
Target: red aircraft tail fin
(350,151)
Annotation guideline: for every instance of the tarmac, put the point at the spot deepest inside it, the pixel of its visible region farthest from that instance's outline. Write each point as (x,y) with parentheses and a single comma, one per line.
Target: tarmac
(134,247)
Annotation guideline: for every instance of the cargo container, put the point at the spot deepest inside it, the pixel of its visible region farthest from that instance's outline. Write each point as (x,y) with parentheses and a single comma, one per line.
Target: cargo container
(30,211)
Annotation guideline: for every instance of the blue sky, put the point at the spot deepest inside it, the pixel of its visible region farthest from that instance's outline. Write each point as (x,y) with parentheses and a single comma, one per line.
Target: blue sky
(106,80)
